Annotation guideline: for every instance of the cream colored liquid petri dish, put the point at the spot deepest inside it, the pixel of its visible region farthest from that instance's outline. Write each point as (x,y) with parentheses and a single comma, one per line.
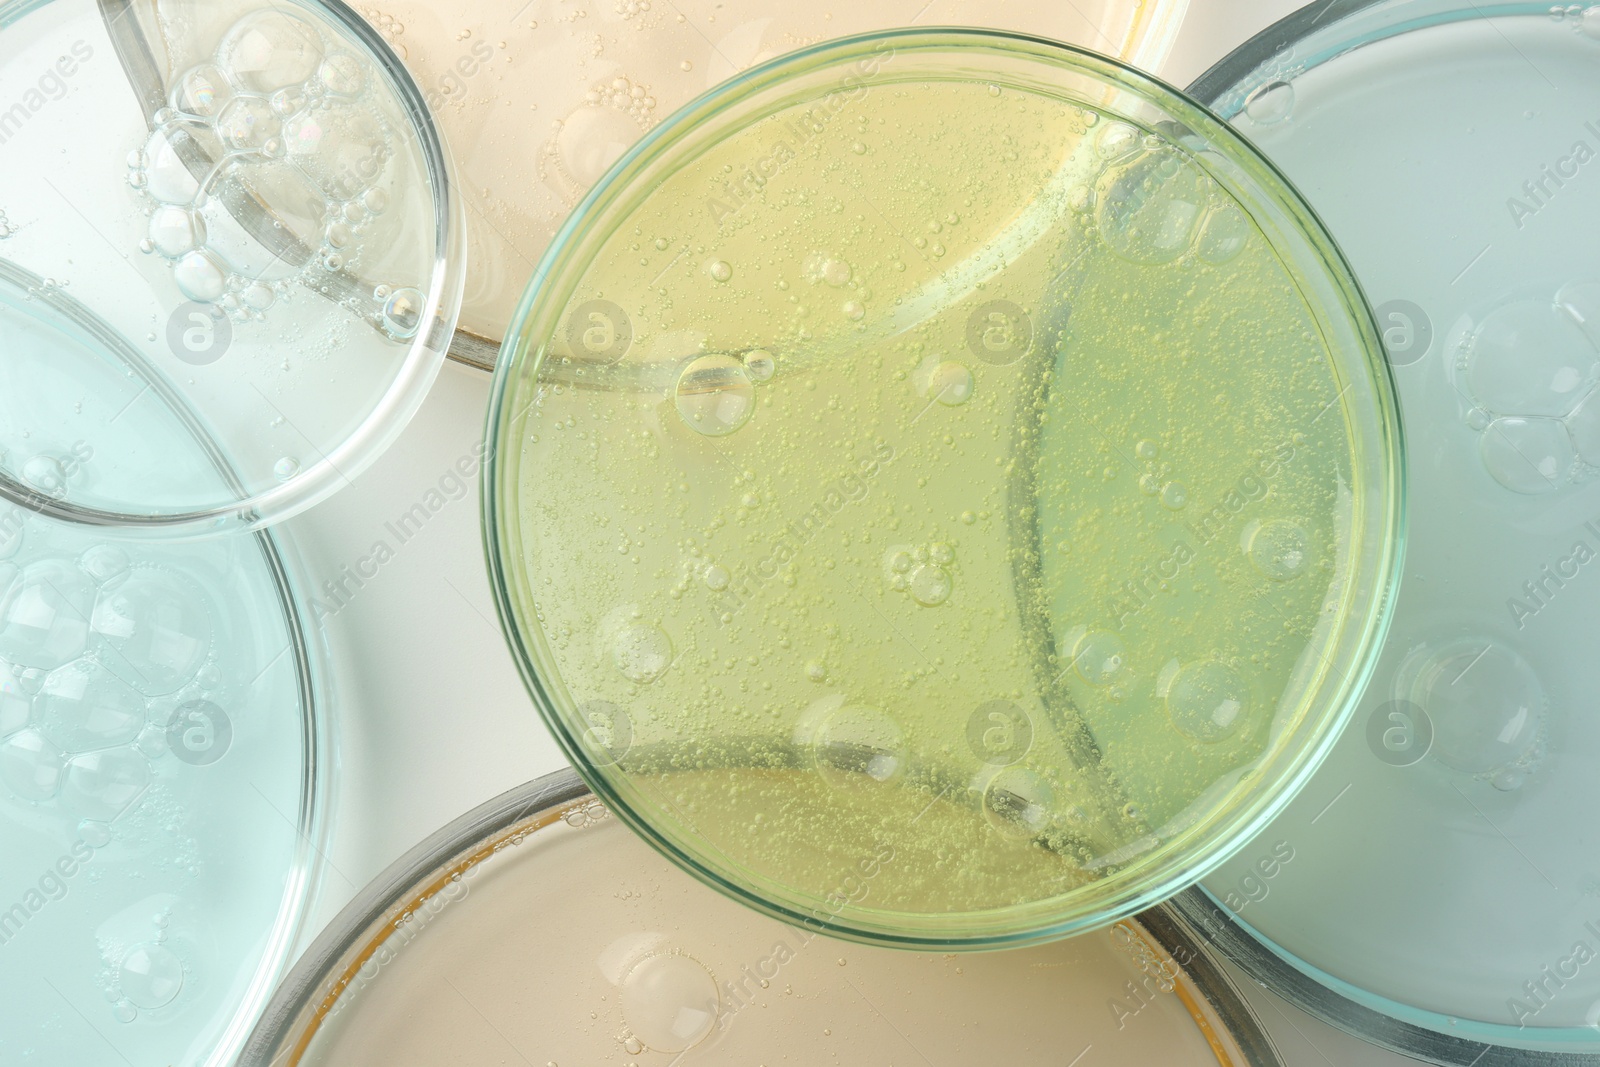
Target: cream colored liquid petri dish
(954,443)
(254,200)
(539,99)
(538,930)
(1444,899)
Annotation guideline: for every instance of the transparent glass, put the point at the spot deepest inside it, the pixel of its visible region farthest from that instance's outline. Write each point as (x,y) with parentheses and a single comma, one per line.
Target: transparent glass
(255,201)
(425,965)
(950,441)
(164,748)
(1441,899)
(538,106)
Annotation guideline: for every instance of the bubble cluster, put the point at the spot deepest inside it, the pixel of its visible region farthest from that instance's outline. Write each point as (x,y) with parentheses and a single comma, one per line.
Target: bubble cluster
(1530,370)
(93,650)
(267,167)
(926,572)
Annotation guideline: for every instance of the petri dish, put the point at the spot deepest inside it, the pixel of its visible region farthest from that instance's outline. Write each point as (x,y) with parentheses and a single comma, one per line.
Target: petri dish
(538,100)
(1442,883)
(163,750)
(536,928)
(251,197)
(997,464)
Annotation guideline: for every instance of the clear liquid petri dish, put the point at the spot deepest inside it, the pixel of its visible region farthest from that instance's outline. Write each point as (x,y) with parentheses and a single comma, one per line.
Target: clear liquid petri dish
(539,100)
(947,439)
(538,929)
(253,199)
(162,752)
(1442,897)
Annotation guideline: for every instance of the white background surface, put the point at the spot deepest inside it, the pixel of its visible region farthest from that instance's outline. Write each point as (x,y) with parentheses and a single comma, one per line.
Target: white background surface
(431,716)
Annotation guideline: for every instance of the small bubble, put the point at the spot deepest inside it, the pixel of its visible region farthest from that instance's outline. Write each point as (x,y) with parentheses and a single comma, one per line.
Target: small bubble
(853,309)
(686,65)
(94,833)
(816,670)
(719,270)
(931,585)
(1017,802)
(950,384)
(1174,496)
(1270,103)
(858,741)
(1207,701)
(642,653)
(1147,449)
(670,1002)
(759,364)
(402,312)
(714,395)
(717,578)
(286,467)
(1277,548)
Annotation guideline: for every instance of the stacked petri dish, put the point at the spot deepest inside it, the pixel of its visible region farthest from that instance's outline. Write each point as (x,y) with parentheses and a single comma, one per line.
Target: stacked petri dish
(229,271)
(839,503)
(1441,898)
(537,929)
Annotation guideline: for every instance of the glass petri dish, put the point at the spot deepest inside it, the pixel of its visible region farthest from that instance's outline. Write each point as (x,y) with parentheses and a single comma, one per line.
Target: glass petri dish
(539,102)
(254,200)
(1442,885)
(162,755)
(538,928)
(951,440)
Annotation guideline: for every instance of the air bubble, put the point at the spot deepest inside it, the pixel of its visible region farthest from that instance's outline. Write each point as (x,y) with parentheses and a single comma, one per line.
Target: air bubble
(46,474)
(857,742)
(247,123)
(1208,701)
(341,148)
(1017,803)
(714,395)
(269,50)
(1174,496)
(1527,455)
(670,1002)
(286,467)
(30,766)
(1485,702)
(402,313)
(102,785)
(642,652)
(342,73)
(1149,206)
(1590,22)
(1277,548)
(151,976)
(1226,232)
(175,230)
(94,833)
(83,706)
(719,270)
(930,585)
(200,276)
(950,384)
(759,364)
(1530,358)
(1270,104)
(44,616)
(201,91)
(160,629)
(1099,657)
(717,578)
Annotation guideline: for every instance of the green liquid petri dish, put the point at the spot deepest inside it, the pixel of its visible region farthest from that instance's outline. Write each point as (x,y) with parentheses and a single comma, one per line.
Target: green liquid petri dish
(953,445)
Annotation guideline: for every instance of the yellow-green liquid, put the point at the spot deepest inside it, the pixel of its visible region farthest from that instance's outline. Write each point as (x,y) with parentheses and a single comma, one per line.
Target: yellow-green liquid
(1001,577)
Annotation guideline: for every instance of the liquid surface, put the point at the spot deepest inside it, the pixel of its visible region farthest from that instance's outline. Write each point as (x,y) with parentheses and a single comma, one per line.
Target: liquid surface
(576,944)
(1443,866)
(152,772)
(988,508)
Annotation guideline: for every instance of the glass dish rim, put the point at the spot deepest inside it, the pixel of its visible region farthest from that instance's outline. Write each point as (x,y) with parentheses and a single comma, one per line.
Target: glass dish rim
(346,945)
(417,369)
(1277,192)
(1403,1028)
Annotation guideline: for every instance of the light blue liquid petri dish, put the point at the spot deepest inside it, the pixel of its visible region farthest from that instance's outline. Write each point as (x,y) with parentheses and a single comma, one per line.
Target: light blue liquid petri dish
(1435,887)
(163,751)
(537,929)
(255,198)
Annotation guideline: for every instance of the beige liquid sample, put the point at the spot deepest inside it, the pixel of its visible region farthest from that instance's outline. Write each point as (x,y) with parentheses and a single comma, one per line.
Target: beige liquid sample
(579,946)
